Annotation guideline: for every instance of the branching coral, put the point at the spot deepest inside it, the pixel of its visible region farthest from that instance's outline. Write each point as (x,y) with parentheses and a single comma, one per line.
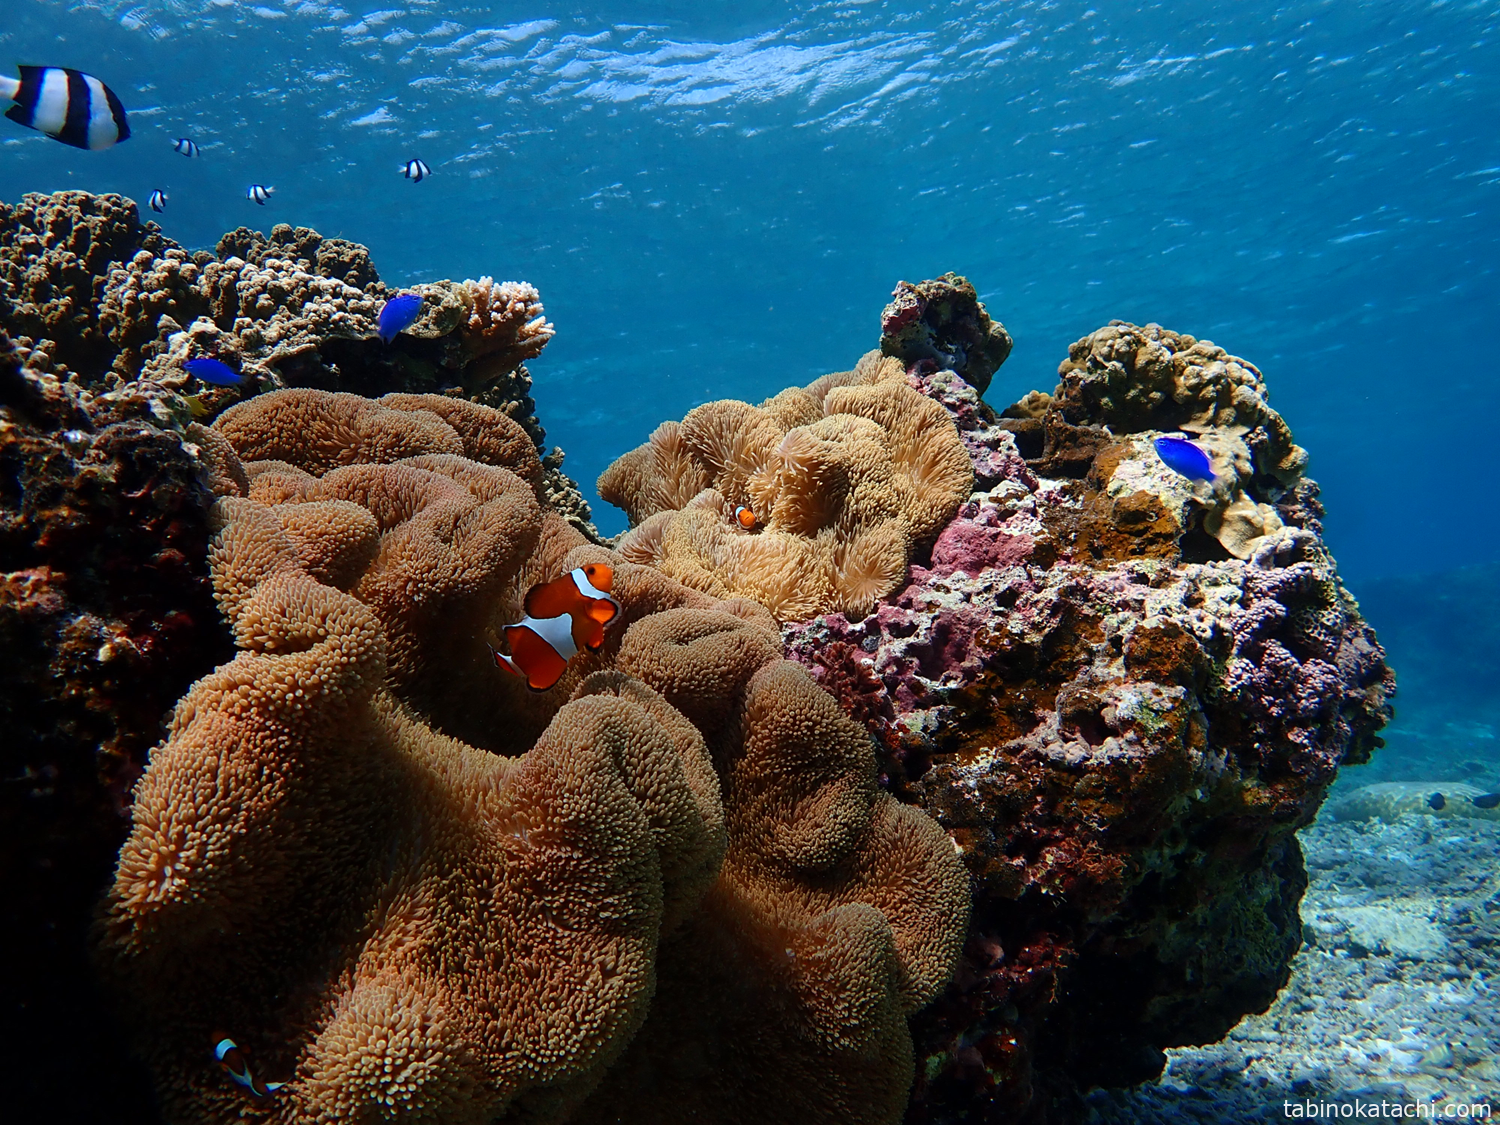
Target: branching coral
(846,478)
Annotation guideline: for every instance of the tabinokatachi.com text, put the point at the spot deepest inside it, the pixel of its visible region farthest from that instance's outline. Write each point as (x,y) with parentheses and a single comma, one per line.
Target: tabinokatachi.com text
(1366,1110)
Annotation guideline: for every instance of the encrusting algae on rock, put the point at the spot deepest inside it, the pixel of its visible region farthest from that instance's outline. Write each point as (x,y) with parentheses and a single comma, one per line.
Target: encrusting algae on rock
(694,878)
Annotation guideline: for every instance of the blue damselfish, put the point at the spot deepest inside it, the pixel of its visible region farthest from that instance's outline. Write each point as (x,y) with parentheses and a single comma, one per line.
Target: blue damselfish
(1182,456)
(214,371)
(398,314)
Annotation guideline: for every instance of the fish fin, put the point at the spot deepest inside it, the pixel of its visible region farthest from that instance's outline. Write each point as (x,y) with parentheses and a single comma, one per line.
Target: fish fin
(503,661)
(603,610)
(587,633)
(537,660)
(553,599)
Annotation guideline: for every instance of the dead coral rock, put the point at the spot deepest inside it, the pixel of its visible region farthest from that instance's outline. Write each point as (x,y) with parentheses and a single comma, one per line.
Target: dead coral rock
(941,325)
(106,615)
(1122,724)
(55,253)
(846,478)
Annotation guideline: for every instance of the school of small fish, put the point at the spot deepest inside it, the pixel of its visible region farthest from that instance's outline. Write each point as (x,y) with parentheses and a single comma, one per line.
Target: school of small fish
(80,110)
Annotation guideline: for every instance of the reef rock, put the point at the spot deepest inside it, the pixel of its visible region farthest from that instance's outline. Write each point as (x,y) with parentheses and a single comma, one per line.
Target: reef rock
(941,325)
(115,301)
(106,615)
(1120,712)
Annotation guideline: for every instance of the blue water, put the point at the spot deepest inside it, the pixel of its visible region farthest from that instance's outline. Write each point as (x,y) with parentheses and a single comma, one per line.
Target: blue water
(715,199)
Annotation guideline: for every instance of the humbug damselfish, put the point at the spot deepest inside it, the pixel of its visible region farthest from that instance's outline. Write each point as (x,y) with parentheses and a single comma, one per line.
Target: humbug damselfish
(68,105)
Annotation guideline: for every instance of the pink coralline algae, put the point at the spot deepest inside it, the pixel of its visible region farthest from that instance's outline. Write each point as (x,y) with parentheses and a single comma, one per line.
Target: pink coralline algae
(1121,725)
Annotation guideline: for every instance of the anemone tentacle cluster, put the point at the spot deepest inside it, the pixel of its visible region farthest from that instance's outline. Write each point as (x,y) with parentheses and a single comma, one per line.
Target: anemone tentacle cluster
(844,479)
(443,931)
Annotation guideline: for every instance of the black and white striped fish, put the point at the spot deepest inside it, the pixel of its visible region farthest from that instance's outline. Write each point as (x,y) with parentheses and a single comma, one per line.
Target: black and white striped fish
(259,192)
(416,171)
(158,200)
(67,105)
(184,146)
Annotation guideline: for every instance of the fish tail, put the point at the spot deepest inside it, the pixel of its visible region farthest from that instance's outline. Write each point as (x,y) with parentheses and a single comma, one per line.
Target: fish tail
(503,661)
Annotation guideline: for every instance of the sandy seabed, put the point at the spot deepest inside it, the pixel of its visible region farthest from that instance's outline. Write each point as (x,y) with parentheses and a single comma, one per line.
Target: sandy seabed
(1394,998)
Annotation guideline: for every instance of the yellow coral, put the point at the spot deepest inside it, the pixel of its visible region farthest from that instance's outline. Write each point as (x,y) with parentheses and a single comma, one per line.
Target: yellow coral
(846,478)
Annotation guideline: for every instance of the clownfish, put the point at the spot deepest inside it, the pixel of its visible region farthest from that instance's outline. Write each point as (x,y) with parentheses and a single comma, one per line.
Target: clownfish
(562,616)
(745,517)
(232,1058)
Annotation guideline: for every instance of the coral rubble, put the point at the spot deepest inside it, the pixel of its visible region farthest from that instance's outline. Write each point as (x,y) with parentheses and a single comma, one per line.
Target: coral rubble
(1119,716)
(846,480)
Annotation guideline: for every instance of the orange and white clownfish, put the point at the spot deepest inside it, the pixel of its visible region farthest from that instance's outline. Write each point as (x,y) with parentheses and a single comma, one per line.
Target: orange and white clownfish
(237,1066)
(562,616)
(745,517)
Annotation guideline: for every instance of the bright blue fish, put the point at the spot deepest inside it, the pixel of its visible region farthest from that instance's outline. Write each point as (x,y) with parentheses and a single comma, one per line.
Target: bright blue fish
(214,371)
(398,314)
(1182,456)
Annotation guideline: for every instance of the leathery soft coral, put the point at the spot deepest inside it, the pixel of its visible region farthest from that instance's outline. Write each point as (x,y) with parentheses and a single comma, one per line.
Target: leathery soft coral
(1119,721)
(843,481)
(441,932)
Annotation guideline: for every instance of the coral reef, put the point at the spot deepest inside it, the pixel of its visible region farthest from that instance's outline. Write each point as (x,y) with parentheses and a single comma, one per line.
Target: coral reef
(106,615)
(115,301)
(941,325)
(723,869)
(56,252)
(441,931)
(1124,385)
(847,478)
(1120,722)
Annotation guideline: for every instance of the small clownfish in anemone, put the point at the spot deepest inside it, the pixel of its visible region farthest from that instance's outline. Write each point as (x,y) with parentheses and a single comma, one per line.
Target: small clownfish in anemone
(562,617)
(745,518)
(232,1058)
